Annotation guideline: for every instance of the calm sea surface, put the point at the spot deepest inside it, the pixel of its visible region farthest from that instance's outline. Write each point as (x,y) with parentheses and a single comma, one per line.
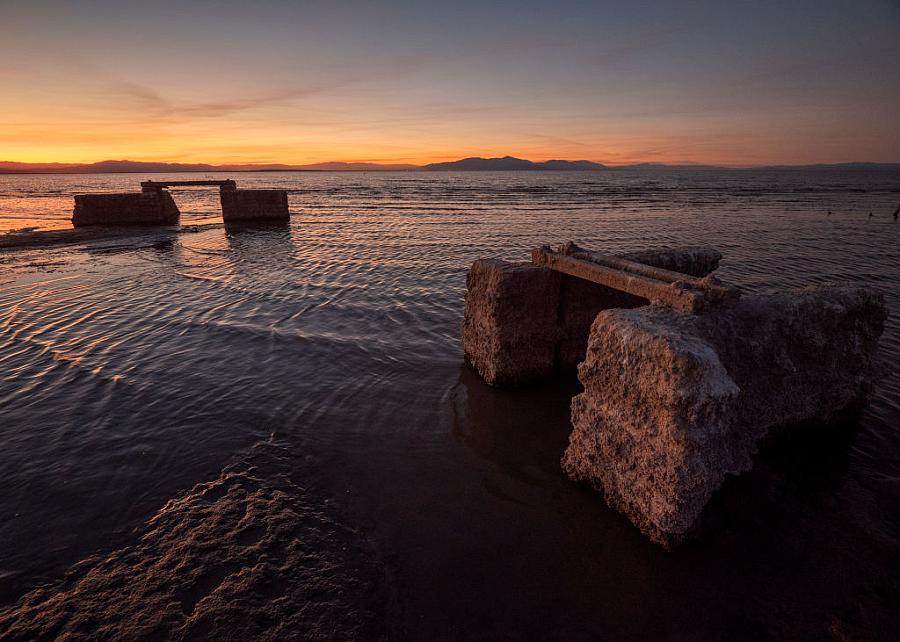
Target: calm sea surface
(320,365)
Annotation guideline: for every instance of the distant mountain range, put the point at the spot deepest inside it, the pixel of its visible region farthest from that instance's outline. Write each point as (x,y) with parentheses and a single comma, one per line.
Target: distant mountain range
(473,164)
(136,167)
(507,163)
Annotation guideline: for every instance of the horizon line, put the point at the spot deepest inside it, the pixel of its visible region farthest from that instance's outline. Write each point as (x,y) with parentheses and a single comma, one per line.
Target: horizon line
(250,166)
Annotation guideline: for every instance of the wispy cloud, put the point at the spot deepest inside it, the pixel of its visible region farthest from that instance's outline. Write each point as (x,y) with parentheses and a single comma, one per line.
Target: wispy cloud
(138,100)
(636,42)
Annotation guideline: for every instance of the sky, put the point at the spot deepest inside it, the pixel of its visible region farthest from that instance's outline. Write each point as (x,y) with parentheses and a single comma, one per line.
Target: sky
(279,81)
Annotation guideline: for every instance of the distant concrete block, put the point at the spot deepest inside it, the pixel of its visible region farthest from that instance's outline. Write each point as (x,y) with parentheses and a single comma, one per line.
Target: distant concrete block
(509,329)
(254,205)
(154,207)
(673,403)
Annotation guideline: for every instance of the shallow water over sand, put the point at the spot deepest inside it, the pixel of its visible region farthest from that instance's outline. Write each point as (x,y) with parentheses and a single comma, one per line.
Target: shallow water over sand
(133,370)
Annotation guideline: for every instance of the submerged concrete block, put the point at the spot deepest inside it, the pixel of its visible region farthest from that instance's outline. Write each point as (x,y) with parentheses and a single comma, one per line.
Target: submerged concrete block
(572,304)
(673,402)
(254,205)
(509,329)
(154,207)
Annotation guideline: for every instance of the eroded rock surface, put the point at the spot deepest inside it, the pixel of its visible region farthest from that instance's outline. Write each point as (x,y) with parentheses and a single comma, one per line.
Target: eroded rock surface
(245,556)
(523,322)
(153,207)
(673,402)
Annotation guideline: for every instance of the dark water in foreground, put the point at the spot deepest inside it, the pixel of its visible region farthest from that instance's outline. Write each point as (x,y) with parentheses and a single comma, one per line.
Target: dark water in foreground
(226,432)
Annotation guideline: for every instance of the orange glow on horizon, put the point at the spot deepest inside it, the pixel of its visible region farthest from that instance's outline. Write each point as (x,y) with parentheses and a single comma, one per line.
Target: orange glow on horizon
(295,85)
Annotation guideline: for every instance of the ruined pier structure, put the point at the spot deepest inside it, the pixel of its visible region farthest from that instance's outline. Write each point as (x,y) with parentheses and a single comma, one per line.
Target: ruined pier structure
(154,205)
(524,322)
(677,394)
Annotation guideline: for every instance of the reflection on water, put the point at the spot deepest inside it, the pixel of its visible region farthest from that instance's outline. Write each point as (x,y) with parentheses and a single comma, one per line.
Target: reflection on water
(131,374)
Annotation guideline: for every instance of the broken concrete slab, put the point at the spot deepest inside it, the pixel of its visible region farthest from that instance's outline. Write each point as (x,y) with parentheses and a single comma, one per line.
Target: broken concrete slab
(556,316)
(673,402)
(139,208)
(254,205)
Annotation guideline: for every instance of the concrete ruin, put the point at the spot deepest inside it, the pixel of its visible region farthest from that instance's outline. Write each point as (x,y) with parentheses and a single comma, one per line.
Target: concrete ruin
(510,325)
(581,300)
(153,205)
(254,205)
(673,402)
(524,322)
(141,208)
(683,377)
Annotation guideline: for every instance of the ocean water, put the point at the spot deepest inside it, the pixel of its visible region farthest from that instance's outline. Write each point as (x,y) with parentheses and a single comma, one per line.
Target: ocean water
(232,432)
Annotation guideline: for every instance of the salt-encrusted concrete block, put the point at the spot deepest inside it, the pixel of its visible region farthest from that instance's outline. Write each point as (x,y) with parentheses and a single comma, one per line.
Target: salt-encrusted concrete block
(509,329)
(580,301)
(674,402)
(154,207)
(254,205)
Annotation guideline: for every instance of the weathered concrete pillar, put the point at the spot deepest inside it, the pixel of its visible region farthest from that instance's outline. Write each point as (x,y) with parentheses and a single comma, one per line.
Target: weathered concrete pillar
(523,322)
(254,204)
(154,207)
(509,328)
(674,402)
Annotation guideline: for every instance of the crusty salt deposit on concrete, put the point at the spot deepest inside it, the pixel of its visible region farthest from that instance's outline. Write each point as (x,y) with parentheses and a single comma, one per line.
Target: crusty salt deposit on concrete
(523,322)
(674,402)
(509,328)
(254,205)
(154,207)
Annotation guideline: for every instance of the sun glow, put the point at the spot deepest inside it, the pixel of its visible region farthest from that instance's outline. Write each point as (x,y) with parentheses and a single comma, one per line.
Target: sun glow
(276,84)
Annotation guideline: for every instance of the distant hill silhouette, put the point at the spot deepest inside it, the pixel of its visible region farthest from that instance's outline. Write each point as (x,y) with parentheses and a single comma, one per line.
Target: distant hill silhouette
(475,163)
(478,164)
(839,166)
(103,167)
(137,167)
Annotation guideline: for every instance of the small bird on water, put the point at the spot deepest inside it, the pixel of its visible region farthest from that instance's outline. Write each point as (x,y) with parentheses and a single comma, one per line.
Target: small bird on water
(897,212)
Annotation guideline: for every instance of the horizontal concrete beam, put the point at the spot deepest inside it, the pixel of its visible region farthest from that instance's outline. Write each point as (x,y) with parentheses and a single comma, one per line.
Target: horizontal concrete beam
(715,291)
(654,290)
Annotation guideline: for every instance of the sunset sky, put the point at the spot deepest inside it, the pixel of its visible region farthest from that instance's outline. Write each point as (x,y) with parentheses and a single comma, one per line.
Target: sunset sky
(735,83)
